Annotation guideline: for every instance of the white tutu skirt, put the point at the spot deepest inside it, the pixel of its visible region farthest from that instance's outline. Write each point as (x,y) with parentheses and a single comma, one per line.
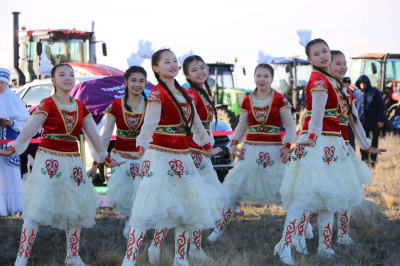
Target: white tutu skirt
(172,193)
(321,177)
(364,174)
(207,173)
(59,193)
(257,177)
(124,181)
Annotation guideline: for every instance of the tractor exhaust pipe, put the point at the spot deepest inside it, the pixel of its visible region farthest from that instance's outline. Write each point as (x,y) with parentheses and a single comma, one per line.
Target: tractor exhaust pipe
(20,75)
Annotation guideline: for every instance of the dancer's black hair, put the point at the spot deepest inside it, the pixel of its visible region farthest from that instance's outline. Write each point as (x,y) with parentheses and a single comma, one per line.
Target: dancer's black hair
(206,95)
(131,70)
(154,62)
(333,53)
(267,66)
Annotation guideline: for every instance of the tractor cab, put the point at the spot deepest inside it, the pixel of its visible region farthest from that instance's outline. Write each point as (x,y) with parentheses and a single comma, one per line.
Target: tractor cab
(383,70)
(227,96)
(290,78)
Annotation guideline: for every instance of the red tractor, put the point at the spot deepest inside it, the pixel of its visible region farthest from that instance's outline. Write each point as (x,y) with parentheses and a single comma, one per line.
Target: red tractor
(383,71)
(77,48)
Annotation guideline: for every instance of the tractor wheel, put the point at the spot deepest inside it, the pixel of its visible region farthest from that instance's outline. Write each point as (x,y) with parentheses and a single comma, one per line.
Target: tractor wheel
(303,115)
(228,117)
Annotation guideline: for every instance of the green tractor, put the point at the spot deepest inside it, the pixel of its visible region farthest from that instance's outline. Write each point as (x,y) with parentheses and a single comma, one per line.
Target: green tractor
(228,97)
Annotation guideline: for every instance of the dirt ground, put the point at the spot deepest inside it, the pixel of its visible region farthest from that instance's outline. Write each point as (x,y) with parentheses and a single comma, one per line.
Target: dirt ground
(249,240)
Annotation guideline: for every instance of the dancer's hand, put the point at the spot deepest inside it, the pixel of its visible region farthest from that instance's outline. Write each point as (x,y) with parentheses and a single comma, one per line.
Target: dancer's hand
(377,150)
(113,163)
(92,171)
(5,122)
(285,155)
(7,152)
(131,156)
(214,151)
(235,151)
(308,143)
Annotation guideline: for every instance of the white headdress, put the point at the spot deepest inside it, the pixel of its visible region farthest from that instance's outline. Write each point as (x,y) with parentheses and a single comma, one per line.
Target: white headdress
(45,65)
(11,106)
(144,50)
(263,58)
(305,37)
(134,60)
(182,58)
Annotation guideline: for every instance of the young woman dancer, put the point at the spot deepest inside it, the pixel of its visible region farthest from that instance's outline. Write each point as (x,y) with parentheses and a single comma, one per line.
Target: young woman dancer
(257,177)
(347,114)
(171,192)
(319,178)
(196,73)
(58,192)
(128,114)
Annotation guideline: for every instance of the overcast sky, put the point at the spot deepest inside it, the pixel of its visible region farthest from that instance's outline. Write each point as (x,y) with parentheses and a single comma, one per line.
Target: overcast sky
(216,30)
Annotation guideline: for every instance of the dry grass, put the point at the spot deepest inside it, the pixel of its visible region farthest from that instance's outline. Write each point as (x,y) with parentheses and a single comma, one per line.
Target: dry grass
(249,240)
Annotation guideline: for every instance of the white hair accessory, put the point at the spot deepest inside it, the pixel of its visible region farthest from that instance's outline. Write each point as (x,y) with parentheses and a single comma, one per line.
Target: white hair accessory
(144,50)
(182,58)
(305,37)
(263,58)
(134,60)
(45,65)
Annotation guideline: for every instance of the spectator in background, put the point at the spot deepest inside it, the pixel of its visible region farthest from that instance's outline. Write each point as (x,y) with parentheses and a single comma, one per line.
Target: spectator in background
(371,109)
(347,83)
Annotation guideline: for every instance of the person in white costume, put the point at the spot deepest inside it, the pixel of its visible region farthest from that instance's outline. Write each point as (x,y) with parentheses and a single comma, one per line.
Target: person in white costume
(127,113)
(257,177)
(347,116)
(13,118)
(171,192)
(58,192)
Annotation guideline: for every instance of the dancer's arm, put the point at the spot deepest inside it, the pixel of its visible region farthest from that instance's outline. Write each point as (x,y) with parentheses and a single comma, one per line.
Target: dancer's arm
(319,99)
(290,135)
(359,134)
(33,126)
(107,130)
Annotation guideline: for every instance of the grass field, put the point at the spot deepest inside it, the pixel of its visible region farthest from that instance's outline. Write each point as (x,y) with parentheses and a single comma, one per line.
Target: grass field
(249,240)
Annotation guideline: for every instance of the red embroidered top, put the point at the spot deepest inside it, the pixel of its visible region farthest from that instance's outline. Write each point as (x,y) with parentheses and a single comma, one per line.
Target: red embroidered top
(128,125)
(206,114)
(330,124)
(265,121)
(344,112)
(170,134)
(62,127)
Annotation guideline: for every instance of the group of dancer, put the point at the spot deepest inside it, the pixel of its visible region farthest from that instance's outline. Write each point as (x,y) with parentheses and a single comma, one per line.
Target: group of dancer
(162,175)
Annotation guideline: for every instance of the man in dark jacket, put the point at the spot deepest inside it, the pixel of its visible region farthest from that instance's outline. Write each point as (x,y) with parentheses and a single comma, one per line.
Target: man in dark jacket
(371,112)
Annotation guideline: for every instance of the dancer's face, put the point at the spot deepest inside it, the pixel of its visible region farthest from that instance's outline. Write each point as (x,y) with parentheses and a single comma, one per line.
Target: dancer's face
(338,66)
(168,66)
(136,83)
(64,78)
(320,55)
(197,72)
(263,78)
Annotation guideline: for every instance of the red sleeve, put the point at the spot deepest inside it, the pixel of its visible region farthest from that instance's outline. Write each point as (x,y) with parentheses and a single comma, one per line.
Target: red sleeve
(284,103)
(112,108)
(43,107)
(318,84)
(155,95)
(246,104)
(86,112)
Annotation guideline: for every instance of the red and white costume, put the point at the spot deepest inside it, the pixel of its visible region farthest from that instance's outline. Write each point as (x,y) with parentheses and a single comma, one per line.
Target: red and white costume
(171,192)
(58,192)
(124,179)
(257,177)
(319,178)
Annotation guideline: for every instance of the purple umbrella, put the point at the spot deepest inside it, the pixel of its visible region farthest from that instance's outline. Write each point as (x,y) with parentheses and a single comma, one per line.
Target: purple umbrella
(97,94)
